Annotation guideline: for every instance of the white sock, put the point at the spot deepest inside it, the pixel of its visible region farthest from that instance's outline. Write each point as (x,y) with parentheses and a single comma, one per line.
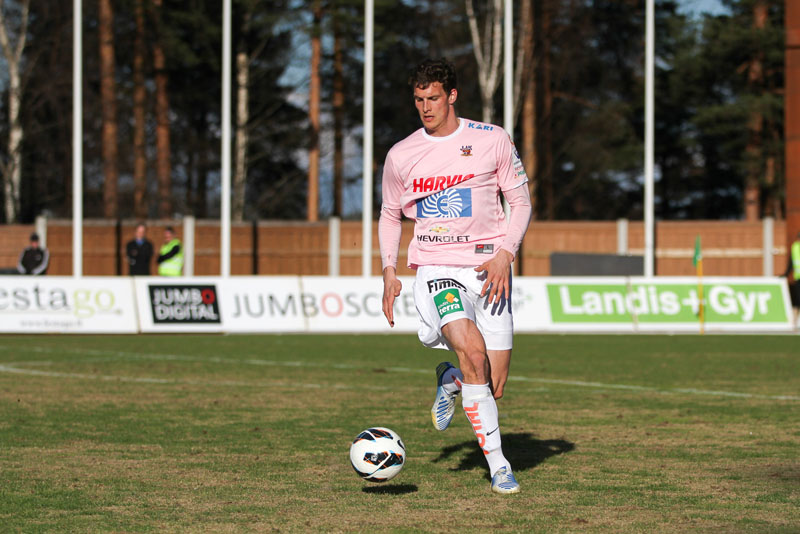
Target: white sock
(481,410)
(452,379)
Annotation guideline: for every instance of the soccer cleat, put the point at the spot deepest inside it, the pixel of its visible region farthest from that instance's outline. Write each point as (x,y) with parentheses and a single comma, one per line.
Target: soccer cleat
(444,406)
(503,481)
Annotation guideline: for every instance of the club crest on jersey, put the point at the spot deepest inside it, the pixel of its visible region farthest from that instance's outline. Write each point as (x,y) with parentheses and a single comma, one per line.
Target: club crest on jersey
(447,204)
(466,150)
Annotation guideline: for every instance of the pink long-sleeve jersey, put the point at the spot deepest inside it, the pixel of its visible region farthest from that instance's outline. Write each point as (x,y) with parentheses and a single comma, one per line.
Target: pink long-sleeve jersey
(450,187)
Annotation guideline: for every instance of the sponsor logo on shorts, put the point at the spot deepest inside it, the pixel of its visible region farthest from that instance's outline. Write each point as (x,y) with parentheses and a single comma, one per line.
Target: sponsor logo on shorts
(444,283)
(448,302)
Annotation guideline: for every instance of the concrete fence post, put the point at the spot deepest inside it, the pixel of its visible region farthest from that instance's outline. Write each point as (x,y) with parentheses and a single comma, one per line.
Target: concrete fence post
(622,237)
(188,245)
(41,229)
(334,245)
(767,227)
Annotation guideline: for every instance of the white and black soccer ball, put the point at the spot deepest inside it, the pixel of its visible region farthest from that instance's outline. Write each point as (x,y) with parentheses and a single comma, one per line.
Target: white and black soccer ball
(378,454)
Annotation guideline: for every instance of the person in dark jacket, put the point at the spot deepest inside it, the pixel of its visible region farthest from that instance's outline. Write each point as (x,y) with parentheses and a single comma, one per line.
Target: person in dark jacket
(139,251)
(34,259)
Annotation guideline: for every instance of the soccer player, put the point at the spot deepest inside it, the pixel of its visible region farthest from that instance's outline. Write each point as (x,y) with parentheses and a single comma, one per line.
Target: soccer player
(447,176)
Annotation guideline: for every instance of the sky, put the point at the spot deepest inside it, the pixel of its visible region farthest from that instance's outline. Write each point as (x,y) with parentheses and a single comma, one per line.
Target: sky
(700,6)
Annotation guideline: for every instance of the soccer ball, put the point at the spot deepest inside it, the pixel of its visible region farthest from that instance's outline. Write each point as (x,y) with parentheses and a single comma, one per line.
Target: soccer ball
(378,454)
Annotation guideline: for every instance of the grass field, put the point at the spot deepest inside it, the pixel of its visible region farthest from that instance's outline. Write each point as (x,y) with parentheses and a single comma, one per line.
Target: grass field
(251,433)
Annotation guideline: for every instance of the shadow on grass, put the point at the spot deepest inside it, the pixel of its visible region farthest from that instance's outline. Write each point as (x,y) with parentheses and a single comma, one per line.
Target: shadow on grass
(522,450)
(391,489)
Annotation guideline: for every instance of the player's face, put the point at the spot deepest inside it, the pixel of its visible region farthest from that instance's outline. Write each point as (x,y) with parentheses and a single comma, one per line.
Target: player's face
(435,109)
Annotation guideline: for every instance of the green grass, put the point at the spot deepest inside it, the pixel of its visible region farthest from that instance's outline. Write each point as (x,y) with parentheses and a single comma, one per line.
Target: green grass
(250,434)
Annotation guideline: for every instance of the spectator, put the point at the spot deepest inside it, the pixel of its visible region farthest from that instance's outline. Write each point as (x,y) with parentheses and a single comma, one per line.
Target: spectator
(170,256)
(139,251)
(792,274)
(34,259)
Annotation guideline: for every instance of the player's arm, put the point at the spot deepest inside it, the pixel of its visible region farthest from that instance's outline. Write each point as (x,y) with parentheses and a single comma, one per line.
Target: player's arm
(389,231)
(498,269)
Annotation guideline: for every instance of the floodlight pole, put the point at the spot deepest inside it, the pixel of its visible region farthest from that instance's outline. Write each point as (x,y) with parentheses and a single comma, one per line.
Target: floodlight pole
(366,201)
(649,139)
(77,140)
(225,175)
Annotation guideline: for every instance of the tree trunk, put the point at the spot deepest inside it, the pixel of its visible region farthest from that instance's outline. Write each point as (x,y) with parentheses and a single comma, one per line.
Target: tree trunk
(338,116)
(108,99)
(488,52)
(754,148)
(242,118)
(314,114)
(139,117)
(545,175)
(12,171)
(163,171)
(527,90)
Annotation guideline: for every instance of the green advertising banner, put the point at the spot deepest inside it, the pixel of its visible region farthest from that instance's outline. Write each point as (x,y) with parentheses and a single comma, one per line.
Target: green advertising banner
(656,302)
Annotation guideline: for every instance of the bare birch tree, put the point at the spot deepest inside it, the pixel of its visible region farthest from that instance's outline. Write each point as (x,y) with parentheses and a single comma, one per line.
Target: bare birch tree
(242,119)
(488,48)
(12,167)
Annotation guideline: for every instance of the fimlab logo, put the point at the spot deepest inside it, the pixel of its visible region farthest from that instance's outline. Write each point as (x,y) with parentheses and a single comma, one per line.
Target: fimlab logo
(466,150)
(184,304)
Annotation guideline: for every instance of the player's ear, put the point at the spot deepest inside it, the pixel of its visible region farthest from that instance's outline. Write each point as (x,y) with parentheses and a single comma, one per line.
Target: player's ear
(453,95)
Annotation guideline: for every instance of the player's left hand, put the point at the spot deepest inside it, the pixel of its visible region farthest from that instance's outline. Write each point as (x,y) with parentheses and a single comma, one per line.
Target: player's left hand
(498,273)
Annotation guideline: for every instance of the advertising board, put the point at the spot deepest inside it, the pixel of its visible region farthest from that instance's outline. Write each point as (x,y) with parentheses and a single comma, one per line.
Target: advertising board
(61,304)
(667,304)
(178,304)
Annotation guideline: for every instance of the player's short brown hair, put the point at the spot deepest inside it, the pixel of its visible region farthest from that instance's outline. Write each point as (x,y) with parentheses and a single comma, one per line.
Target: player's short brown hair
(434,70)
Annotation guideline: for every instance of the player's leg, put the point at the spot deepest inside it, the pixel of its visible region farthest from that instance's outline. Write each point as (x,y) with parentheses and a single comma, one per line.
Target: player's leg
(478,401)
(439,298)
(499,362)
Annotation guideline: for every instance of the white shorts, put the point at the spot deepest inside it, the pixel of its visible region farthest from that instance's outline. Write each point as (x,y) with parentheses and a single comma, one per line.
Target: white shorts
(445,293)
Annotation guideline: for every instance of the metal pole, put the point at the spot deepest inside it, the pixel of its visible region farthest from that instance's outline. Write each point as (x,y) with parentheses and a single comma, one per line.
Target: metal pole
(225,200)
(77,140)
(649,140)
(366,203)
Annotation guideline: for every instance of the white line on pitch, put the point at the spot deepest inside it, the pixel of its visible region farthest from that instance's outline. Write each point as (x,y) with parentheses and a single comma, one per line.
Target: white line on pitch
(150,380)
(296,363)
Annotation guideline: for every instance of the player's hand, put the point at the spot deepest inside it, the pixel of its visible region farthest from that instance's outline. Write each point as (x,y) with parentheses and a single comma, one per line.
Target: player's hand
(391,290)
(498,273)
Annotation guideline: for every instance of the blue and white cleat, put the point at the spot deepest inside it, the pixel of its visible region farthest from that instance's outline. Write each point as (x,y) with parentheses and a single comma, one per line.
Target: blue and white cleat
(503,481)
(444,406)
